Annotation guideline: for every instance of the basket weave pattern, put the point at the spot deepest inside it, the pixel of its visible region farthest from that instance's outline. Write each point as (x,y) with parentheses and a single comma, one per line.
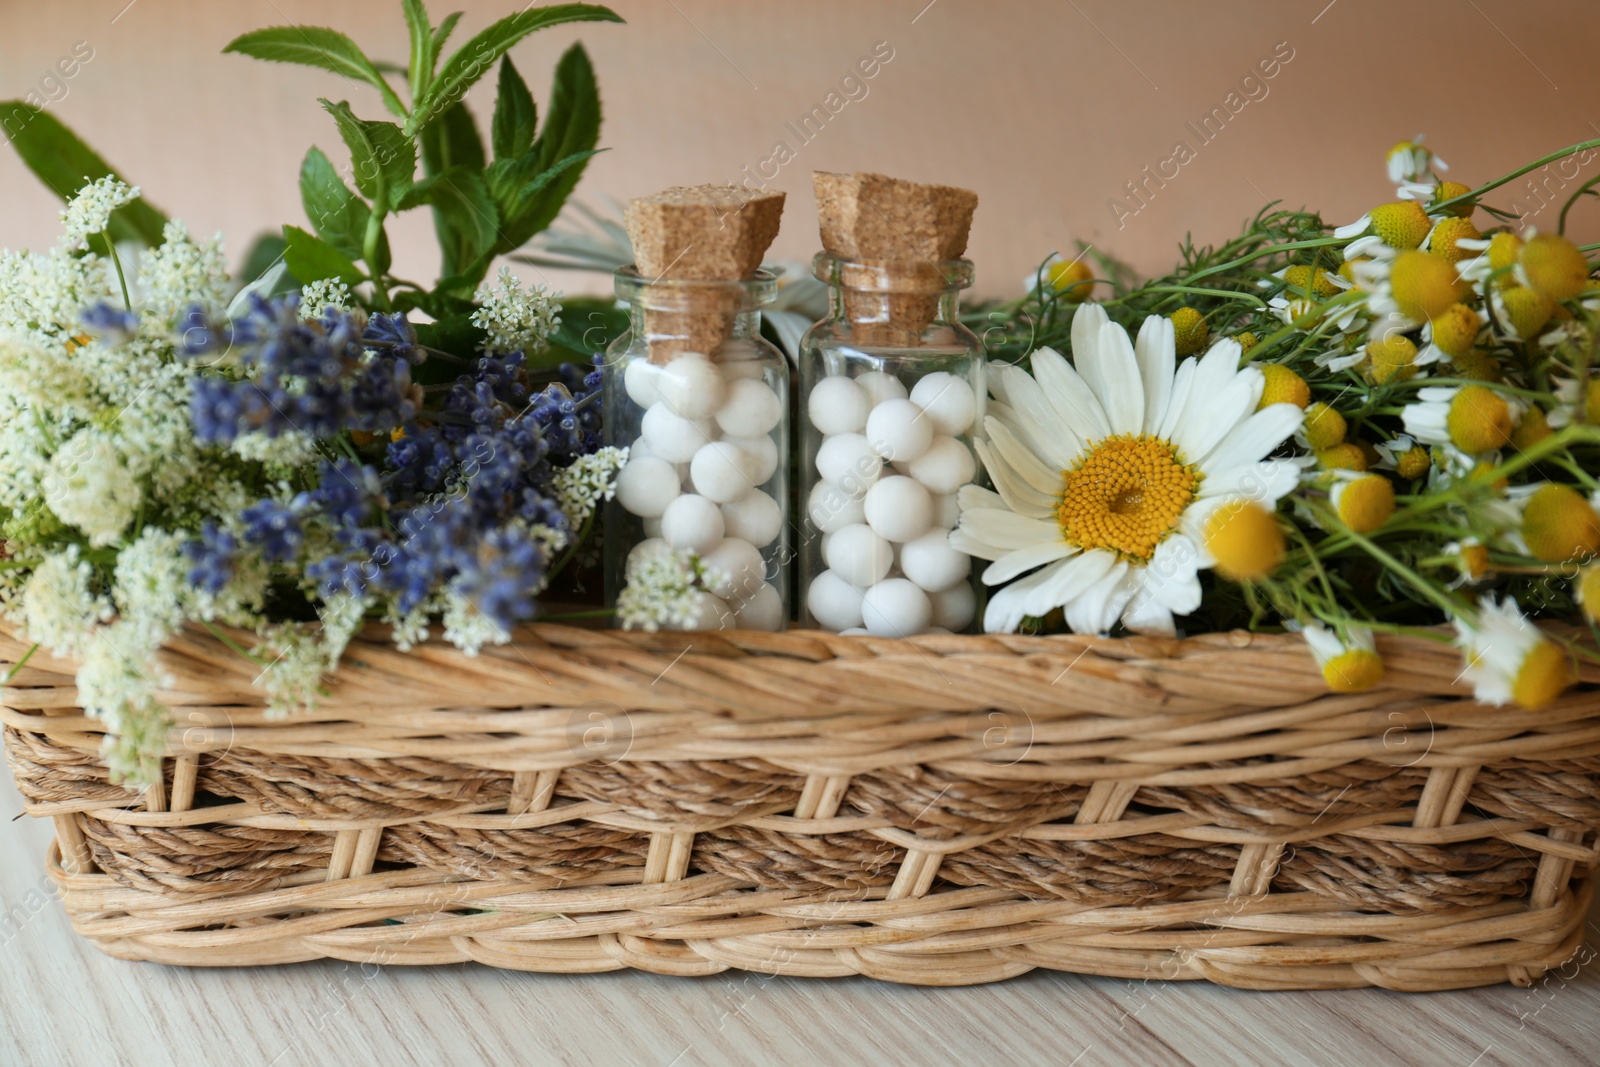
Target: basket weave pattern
(943,810)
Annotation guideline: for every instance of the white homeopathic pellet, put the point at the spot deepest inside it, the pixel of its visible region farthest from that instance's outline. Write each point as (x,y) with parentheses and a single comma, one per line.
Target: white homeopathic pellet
(646,486)
(948,400)
(933,563)
(648,549)
(708,612)
(764,451)
(639,379)
(722,471)
(691,386)
(750,409)
(858,555)
(847,455)
(674,438)
(763,611)
(896,607)
(756,517)
(946,466)
(831,508)
(834,602)
(692,523)
(734,568)
(838,405)
(880,386)
(946,511)
(898,508)
(953,608)
(898,430)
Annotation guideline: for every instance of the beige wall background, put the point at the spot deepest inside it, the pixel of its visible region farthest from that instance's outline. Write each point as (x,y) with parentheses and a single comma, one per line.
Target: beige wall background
(1047,109)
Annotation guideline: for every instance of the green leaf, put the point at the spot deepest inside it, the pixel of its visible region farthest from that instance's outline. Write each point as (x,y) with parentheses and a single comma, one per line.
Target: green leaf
(532,207)
(384,158)
(442,32)
(312,259)
(421,69)
(459,197)
(313,46)
(588,326)
(473,60)
(516,118)
(451,333)
(60,160)
(453,141)
(267,250)
(337,215)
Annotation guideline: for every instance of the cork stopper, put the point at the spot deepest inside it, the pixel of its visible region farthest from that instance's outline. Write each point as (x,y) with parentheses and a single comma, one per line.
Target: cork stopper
(699,233)
(909,229)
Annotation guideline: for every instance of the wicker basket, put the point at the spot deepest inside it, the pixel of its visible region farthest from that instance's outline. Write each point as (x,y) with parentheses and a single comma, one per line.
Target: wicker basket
(942,811)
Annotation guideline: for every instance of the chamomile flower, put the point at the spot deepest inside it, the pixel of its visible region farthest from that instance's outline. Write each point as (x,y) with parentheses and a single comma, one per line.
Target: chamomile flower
(1508,659)
(1349,663)
(1472,418)
(1450,334)
(1403,455)
(1586,591)
(1072,278)
(1571,396)
(1411,160)
(1386,229)
(1107,471)
(1363,501)
(1552,266)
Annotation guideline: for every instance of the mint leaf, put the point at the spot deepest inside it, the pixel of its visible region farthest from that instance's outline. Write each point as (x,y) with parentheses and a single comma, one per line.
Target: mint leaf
(312,259)
(420,71)
(335,212)
(571,129)
(60,160)
(314,46)
(473,60)
(531,207)
(453,141)
(384,158)
(516,118)
(441,33)
(460,199)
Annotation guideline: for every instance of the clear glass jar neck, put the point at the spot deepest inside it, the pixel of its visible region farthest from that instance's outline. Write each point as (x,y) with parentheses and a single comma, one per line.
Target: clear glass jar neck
(681,314)
(875,291)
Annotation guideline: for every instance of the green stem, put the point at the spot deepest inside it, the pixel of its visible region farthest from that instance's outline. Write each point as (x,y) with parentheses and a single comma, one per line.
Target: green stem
(116,261)
(21,663)
(235,646)
(369,248)
(1444,205)
(597,613)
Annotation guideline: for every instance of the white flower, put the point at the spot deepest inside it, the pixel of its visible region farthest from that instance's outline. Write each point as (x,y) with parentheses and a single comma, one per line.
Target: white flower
(89,212)
(329,294)
(89,486)
(467,627)
(1410,161)
(588,480)
(59,605)
(515,320)
(180,274)
(1107,472)
(150,583)
(1508,659)
(1479,421)
(665,590)
(1349,662)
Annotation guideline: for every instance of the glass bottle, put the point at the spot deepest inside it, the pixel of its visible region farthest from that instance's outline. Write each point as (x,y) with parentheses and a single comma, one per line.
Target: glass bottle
(892,394)
(702,403)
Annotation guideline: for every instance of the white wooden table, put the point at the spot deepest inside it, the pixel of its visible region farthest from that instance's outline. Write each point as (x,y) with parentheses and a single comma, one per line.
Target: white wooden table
(63,1002)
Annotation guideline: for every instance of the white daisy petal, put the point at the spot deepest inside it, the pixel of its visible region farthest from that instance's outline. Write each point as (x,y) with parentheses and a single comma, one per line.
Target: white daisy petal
(1095,609)
(1145,615)
(1182,390)
(1157,351)
(1008,607)
(1171,576)
(1086,323)
(1075,403)
(971,497)
(1224,410)
(1034,418)
(1019,496)
(1112,371)
(1022,459)
(1266,482)
(1254,438)
(1006,530)
(1023,560)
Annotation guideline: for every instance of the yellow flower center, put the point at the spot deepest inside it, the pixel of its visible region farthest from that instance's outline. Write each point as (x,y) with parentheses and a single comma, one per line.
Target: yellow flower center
(1070,279)
(1353,671)
(1246,541)
(1527,310)
(1126,495)
(1531,429)
(1414,463)
(1342,457)
(1365,503)
(1190,329)
(1391,359)
(1559,525)
(1324,427)
(1545,673)
(1479,420)
(1474,561)
(1309,281)
(1283,386)
(1402,224)
(1424,285)
(1476,364)
(1455,329)
(1588,586)
(1347,269)
(1554,266)
(1442,242)
(1247,341)
(1504,250)
(1451,190)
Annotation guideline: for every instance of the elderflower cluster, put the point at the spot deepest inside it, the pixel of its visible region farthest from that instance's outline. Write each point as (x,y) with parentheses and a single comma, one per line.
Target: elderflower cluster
(667,589)
(89,213)
(318,297)
(589,480)
(514,319)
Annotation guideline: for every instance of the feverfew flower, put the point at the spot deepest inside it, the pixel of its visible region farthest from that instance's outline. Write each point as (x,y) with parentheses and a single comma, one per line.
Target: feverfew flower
(587,481)
(88,486)
(1349,663)
(515,320)
(89,212)
(1508,659)
(319,297)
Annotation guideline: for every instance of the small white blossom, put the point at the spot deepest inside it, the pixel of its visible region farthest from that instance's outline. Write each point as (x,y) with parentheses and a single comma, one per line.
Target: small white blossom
(59,606)
(666,590)
(320,297)
(589,480)
(182,273)
(467,627)
(515,320)
(89,212)
(151,581)
(89,486)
